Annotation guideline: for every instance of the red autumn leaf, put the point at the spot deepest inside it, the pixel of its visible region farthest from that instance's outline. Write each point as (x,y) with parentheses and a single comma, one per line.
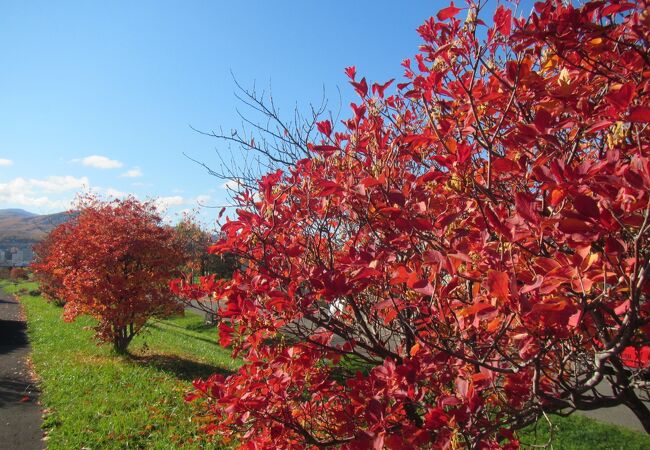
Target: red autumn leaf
(325,149)
(525,206)
(496,223)
(616,7)
(464,153)
(543,120)
(422,287)
(351,72)
(502,20)
(621,97)
(379,89)
(586,206)
(613,246)
(504,165)
(325,127)
(598,125)
(474,309)
(640,114)
(575,226)
(531,287)
(361,87)
(498,284)
(225,334)
(372,181)
(553,305)
(448,12)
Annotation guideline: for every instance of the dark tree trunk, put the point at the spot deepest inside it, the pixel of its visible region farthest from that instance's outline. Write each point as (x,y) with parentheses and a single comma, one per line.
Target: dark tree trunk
(122,338)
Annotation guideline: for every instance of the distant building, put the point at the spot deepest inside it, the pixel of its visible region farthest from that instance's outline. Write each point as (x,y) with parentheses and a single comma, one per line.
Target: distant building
(15,256)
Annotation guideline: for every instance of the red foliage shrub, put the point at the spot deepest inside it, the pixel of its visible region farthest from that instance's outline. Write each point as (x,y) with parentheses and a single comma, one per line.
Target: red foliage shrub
(114,262)
(476,241)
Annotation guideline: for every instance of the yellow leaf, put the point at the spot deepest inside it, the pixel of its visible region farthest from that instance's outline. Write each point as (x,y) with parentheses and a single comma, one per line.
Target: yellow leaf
(565,78)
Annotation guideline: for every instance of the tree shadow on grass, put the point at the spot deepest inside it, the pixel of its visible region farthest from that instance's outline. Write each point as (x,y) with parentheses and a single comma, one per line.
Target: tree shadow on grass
(182,368)
(189,335)
(199,326)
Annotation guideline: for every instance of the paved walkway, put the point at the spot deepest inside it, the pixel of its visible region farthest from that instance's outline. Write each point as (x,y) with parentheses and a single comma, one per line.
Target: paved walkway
(617,415)
(20,415)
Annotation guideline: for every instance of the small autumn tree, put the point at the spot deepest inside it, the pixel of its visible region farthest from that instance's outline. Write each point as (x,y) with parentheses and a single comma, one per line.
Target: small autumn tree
(18,273)
(195,240)
(475,241)
(113,261)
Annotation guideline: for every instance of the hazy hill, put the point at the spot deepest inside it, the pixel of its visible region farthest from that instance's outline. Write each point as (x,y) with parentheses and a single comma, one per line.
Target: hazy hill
(16,213)
(19,226)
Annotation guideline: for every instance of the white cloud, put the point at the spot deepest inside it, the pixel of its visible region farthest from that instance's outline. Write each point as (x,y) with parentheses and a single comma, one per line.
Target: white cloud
(231,184)
(162,203)
(99,162)
(132,173)
(5,162)
(112,192)
(141,184)
(32,192)
(56,184)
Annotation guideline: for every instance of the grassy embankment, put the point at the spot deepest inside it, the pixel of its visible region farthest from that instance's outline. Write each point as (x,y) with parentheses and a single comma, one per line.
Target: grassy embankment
(96,399)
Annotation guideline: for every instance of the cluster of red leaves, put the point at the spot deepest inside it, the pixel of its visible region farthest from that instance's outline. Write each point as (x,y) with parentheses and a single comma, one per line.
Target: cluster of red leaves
(113,261)
(477,243)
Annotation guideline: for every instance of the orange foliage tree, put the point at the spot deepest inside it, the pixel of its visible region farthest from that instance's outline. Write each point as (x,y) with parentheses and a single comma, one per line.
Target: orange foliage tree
(112,261)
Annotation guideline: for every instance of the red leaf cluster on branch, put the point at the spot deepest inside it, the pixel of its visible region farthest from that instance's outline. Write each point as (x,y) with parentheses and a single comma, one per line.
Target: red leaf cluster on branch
(463,255)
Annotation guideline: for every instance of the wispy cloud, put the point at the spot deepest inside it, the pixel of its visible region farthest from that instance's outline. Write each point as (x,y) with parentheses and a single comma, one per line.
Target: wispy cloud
(132,173)
(33,192)
(5,162)
(99,162)
(163,203)
(141,184)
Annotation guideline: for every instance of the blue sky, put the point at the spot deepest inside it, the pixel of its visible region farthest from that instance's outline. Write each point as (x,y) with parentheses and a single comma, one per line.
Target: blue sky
(102,94)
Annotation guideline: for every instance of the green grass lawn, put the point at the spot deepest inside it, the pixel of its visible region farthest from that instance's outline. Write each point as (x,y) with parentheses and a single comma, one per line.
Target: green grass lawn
(578,432)
(96,399)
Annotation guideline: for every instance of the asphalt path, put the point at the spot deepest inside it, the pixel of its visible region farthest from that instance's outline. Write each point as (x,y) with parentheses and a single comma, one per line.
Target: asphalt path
(20,413)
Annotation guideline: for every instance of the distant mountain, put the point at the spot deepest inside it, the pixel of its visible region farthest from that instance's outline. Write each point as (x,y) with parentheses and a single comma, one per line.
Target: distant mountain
(22,227)
(16,213)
